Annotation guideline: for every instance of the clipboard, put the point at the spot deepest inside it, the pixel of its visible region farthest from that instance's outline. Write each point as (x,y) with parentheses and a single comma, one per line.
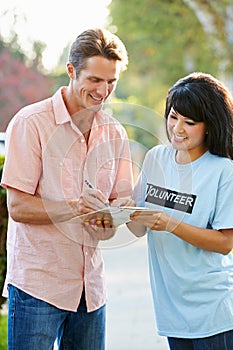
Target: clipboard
(119,215)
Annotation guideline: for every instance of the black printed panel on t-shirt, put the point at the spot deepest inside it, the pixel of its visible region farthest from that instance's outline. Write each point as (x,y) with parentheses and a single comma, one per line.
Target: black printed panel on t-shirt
(170,199)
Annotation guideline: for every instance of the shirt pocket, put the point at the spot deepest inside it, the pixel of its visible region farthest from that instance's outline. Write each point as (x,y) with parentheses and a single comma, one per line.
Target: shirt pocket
(106,175)
(108,165)
(57,178)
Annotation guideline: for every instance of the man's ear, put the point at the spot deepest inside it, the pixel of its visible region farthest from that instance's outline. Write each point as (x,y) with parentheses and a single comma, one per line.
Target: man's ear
(70,70)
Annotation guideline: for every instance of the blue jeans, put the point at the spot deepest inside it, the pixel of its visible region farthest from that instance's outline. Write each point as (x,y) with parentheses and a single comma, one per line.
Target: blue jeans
(221,341)
(35,325)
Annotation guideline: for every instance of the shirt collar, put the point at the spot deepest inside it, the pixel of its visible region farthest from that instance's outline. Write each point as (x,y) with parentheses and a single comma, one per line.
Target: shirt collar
(60,111)
(62,115)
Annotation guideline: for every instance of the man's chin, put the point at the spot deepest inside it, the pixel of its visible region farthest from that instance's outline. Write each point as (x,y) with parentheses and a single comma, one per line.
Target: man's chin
(95,108)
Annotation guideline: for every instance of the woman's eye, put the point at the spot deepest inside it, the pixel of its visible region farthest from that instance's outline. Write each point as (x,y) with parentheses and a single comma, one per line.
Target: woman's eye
(190,123)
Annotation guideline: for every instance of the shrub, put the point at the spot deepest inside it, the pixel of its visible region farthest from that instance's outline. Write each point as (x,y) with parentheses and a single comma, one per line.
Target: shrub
(3,230)
(3,332)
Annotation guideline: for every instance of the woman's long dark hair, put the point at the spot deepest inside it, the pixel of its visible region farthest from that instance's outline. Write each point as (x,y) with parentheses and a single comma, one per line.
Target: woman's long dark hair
(203,98)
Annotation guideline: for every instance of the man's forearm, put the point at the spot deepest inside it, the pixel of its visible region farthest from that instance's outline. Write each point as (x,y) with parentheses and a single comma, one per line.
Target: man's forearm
(30,209)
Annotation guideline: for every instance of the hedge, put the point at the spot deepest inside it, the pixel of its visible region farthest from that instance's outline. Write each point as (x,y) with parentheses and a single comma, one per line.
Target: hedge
(3,230)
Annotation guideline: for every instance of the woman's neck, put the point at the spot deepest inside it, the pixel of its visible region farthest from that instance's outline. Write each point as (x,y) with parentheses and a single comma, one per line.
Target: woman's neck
(184,157)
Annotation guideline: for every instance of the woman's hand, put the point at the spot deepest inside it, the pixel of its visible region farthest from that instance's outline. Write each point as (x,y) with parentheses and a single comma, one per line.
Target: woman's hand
(219,241)
(155,220)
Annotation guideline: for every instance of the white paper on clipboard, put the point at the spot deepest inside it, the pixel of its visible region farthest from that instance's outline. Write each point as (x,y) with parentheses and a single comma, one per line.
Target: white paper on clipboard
(120,215)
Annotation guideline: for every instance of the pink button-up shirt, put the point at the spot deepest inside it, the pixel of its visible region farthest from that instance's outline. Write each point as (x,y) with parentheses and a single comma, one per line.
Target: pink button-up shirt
(47,156)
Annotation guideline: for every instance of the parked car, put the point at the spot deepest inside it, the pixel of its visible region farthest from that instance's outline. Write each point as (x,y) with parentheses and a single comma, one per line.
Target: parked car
(2,143)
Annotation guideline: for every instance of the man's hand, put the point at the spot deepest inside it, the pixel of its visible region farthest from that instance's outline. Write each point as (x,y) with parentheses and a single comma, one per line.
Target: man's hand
(100,227)
(123,202)
(90,200)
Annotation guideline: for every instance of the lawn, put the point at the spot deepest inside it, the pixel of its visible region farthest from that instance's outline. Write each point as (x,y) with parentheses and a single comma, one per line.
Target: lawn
(3,332)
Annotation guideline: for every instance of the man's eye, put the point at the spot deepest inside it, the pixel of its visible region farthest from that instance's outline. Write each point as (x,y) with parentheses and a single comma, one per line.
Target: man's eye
(94,80)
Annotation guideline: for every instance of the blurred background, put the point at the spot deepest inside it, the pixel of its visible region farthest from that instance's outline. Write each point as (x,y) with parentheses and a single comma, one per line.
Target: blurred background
(166,40)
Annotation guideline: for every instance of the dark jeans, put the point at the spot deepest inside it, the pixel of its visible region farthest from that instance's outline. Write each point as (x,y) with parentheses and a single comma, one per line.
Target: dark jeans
(34,325)
(221,341)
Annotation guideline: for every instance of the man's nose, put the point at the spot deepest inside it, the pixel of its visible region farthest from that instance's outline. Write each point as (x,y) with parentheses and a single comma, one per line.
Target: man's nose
(103,89)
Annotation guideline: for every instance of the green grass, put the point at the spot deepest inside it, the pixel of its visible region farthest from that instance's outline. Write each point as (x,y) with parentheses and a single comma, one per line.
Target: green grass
(3,332)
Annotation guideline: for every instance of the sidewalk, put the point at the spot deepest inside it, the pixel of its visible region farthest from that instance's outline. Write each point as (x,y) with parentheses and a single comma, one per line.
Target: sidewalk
(130,315)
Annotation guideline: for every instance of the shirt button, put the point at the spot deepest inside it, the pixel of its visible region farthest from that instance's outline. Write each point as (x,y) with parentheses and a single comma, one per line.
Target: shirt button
(86,253)
(82,140)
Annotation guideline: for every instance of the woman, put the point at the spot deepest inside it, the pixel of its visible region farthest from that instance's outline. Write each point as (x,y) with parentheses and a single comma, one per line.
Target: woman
(187,186)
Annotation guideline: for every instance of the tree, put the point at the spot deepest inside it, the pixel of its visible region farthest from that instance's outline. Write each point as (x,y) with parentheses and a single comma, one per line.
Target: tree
(216,19)
(165,41)
(20,85)
(38,48)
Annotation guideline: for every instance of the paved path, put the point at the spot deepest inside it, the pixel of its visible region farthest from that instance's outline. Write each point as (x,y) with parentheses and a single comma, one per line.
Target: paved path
(130,316)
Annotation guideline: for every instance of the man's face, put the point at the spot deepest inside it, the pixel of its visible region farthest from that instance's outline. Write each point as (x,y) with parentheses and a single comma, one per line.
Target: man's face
(95,83)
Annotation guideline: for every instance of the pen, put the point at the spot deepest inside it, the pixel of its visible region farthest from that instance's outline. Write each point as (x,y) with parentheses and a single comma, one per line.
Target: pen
(92,187)
(89,184)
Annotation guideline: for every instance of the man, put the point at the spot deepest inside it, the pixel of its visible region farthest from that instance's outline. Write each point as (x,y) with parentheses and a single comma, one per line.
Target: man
(55,280)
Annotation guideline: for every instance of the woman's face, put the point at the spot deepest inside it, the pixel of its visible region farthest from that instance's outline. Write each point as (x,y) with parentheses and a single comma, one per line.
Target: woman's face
(186,135)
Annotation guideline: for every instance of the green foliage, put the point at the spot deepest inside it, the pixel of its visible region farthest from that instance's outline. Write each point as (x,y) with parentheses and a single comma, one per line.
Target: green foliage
(165,41)
(3,332)
(60,78)
(2,159)
(130,115)
(3,230)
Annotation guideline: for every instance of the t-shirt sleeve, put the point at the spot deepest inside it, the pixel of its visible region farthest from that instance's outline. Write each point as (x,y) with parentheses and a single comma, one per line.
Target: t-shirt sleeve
(223,216)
